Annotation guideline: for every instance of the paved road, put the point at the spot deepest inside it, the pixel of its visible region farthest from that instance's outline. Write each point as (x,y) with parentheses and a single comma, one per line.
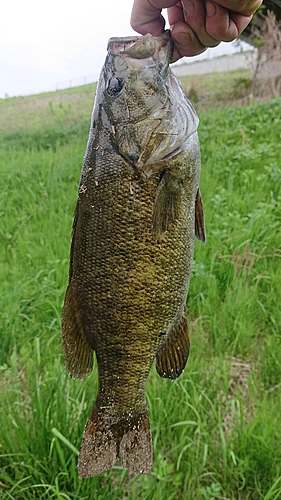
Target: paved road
(240,60)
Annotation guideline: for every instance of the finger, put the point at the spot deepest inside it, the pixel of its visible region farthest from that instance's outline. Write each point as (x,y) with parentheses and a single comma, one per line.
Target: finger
(195,18)
(242,7)
(218,23)
(222,24)
(185,41)
(145,18)
(241,22)
(146,15)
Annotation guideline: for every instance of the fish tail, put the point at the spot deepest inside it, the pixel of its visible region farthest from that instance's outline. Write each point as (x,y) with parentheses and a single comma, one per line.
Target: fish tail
(108,436)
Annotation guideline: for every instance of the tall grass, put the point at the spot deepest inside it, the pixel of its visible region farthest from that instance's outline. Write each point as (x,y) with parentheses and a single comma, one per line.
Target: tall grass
(216,429)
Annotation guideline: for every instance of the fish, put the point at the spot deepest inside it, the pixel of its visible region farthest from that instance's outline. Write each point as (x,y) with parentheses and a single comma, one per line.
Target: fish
(138,211)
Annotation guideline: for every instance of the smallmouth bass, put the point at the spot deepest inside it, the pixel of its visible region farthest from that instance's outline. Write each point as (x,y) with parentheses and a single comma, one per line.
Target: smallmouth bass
(138,211)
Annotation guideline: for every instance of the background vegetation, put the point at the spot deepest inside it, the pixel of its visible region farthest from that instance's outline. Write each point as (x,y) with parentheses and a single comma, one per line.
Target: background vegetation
(216,430)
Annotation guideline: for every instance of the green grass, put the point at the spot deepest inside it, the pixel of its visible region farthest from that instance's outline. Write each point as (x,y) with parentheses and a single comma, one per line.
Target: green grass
(216,430)
(217,89)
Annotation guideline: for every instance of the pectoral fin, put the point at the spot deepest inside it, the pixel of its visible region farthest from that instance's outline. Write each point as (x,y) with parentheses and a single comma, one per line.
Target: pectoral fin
(166,205)
(172,357)
(200,232)
(77,351)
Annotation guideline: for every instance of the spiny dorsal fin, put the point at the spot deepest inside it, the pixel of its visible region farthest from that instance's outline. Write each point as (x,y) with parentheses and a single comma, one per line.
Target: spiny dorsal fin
(74,223)
(77,351)
(172,357)
(200,232)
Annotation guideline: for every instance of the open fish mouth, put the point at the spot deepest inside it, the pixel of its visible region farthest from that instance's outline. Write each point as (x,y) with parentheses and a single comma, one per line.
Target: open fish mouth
(141,47)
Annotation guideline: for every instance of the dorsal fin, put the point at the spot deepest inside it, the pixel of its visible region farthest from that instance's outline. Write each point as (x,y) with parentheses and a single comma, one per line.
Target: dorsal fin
(200,232)
(78,353)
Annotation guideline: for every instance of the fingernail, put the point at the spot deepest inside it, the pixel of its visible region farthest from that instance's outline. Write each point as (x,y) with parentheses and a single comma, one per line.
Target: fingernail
(189,7)
(210,9)
(182,39)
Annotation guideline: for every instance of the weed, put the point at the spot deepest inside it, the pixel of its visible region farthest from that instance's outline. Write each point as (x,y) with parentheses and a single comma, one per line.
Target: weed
(267,76)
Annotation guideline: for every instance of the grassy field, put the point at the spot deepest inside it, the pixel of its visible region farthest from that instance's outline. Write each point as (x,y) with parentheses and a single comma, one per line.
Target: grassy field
(216,430)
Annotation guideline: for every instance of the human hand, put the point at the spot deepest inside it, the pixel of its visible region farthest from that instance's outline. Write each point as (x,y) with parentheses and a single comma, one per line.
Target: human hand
(195,24)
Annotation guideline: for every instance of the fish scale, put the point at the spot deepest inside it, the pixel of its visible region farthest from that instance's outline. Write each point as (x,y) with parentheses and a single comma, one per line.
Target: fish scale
(132,248)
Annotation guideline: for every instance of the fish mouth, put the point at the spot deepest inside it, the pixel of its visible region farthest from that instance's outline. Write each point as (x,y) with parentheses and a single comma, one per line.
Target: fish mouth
(141,47)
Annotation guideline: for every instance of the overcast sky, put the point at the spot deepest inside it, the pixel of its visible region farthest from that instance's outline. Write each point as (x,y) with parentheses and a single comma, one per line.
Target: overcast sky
(43,44)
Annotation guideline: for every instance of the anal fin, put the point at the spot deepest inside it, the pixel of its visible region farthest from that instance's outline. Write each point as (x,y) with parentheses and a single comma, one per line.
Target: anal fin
(78,353)
(200,231)
(172,357)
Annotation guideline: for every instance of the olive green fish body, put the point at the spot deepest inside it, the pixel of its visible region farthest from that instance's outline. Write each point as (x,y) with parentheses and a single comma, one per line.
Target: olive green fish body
(132,250)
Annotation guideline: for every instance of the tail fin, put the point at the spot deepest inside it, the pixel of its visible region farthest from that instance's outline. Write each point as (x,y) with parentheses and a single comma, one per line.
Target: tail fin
(108,436)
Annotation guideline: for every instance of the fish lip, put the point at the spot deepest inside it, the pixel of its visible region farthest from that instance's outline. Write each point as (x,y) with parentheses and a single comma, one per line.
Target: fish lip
(140,47)
(114,43)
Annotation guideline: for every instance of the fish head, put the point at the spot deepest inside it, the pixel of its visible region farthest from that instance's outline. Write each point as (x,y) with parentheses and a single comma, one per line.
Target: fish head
(140,97)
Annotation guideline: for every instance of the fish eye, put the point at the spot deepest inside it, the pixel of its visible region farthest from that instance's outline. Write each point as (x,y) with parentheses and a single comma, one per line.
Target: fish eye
(114,86)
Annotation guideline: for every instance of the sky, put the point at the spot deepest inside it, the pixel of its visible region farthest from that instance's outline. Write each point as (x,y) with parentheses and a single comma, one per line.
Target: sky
(44,45)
